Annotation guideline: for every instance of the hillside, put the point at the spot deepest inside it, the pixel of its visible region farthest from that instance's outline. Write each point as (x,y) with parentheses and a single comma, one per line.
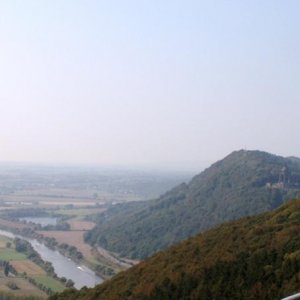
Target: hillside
(252,258)
(243,183)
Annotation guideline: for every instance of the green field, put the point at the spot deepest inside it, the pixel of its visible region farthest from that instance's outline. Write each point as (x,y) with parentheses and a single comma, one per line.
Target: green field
(50,282)
(11,254)
(78,212)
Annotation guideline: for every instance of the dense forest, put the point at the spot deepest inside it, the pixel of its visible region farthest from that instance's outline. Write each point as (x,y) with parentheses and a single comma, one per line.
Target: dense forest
(254,258)
(242,184)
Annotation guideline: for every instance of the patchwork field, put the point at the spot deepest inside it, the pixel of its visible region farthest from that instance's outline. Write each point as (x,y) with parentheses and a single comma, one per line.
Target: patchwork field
(68,195)
(45,201)
(57,193)
(22,264)
(24,287)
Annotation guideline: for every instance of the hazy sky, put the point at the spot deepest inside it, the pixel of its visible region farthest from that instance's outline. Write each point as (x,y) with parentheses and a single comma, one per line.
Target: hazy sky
(148,82)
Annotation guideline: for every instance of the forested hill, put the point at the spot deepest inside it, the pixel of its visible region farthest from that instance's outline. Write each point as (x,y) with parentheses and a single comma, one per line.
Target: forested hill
(243,183)
(255,258)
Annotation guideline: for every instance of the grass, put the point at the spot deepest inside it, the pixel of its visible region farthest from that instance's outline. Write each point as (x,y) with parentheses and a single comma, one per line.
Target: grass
(76,212)
(50,282)
(79,212)
(11,254)
(92,260)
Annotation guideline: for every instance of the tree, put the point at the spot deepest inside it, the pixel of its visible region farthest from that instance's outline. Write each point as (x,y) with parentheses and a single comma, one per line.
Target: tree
(6,268)
(69,283)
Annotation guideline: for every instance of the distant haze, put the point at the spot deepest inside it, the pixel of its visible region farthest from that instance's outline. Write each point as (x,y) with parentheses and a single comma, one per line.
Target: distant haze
(158,83)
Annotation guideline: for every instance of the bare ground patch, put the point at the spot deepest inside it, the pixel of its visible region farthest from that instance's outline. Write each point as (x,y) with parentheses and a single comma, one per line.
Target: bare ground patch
(27,266)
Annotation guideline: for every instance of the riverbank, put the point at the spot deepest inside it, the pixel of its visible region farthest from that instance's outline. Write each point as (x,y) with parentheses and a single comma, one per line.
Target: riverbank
(70,243)
(21,273)
(66,243)
(63,266)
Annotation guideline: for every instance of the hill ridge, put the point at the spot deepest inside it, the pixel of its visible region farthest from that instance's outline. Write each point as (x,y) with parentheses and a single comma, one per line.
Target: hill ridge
(243,183)
(253,258)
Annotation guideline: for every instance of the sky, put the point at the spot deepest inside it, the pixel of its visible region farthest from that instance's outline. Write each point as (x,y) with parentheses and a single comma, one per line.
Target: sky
(157,83)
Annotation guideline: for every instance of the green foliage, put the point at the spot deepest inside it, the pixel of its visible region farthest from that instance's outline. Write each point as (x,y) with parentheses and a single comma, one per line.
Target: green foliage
(5,266)
(11,254)
(244,183)
(70,251)
(69,283)
(255,258)
(63,226)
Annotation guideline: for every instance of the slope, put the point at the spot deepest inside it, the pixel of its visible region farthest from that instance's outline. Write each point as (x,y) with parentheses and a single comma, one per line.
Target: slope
(244,183)
(252,258)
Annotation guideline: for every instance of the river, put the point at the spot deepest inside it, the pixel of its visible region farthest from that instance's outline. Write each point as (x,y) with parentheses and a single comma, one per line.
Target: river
(63,266)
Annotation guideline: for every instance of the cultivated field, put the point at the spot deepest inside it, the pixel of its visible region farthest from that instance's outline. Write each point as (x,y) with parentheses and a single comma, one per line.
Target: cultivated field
(27,266)
(24,287)
(11,224)
(46,201)
(10,254)
(22,264)
(80,212)
(81,225)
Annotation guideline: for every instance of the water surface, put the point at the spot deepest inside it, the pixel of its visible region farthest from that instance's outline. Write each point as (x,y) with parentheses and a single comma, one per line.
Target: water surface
(63,266)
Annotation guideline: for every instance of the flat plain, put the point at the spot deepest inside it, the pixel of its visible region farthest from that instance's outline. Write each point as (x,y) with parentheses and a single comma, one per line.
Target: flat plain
(21,263)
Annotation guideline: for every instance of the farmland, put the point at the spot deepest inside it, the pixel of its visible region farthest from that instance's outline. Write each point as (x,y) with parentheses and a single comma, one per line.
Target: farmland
(48,186)
(24,287)
(49,282)
(11,254)
(81,225)
(27,266)
(80,212)
(15,281)
(70,197)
